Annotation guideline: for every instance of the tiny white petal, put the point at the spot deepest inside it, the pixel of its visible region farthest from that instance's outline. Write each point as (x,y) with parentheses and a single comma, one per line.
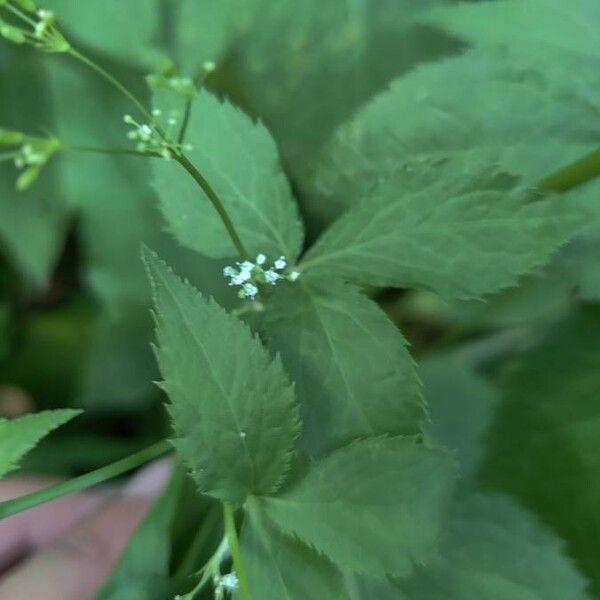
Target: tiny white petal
(229,271)
(293,276)
(260,259)
(250,289)
(229,581)
(271,276)
(280,263)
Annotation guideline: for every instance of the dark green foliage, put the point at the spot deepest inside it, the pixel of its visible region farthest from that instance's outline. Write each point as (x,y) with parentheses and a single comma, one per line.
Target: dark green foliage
(404,200)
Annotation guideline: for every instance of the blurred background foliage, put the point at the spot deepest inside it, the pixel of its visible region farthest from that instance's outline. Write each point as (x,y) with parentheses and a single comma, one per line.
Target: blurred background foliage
(513,384)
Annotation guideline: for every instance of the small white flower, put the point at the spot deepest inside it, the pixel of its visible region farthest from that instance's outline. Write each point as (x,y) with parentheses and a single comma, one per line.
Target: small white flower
(293,276)
(280,263)
(229,272)
(271,276)
(229,582)
(246,266)
(250,290)
(145,132)
(260,259)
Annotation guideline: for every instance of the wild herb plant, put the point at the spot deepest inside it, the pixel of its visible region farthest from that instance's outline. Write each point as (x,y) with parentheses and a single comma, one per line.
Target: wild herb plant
(297,410)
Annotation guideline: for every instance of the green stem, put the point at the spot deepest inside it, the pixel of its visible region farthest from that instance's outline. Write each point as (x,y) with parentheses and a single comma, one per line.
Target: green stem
(186,121)
(12,507)
(181,158)
(577,173)
(216,202)
(234,548)
(17,12)
(112,80)
(103,150)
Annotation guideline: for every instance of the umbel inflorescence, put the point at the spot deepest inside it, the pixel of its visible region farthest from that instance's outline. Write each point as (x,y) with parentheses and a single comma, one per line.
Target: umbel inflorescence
(251,275)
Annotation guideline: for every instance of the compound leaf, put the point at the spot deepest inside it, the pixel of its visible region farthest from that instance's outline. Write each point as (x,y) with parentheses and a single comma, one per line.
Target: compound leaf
(374,506)
(19,436)
(494,550)
(233,407)
(474,109)
(240,161)
(533,27)
(281,567)
(449,237)
(354,375)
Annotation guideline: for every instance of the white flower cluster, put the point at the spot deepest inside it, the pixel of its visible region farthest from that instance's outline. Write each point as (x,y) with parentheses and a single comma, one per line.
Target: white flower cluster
(229,582)
(46,20)
(250,275)
(149,139)
(28,155)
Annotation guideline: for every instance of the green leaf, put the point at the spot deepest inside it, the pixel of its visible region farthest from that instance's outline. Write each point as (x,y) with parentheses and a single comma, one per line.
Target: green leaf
(548,430)
(19,436)
(205,30)
(281,567)
(109,26)
(239,159)
(549,41)
(305,75)
(494,550)
(533,27)
(354,375)
(477,109)
(34,223)
(580,258)
(450,238)
(461,403)
(232,406)
(143,569)
(374,506)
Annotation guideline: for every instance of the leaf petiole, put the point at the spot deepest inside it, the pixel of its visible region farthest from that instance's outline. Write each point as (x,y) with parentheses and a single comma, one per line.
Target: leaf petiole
(77,484)
(577,173)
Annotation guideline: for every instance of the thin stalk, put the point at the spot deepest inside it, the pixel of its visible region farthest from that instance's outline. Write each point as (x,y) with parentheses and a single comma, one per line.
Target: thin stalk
(234,548)
(17,12)
(77,484)
(103,150)
(577,173)
(216,202)
(186,120)
(112,80)
(179,157)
